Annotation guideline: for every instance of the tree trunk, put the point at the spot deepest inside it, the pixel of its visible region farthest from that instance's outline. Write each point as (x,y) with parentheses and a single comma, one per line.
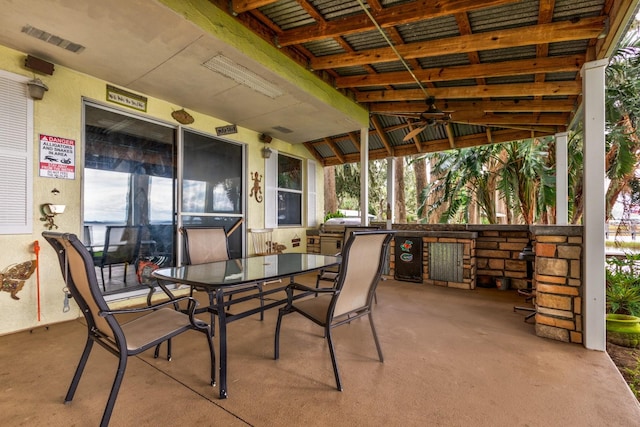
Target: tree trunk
(420,171)
(434,217)
(401,211)
(330,197)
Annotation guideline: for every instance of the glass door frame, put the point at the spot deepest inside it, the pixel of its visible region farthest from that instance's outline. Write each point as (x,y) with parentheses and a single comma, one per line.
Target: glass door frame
(178,213)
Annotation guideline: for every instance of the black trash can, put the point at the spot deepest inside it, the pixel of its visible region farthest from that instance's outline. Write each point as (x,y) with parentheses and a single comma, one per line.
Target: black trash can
(408,258)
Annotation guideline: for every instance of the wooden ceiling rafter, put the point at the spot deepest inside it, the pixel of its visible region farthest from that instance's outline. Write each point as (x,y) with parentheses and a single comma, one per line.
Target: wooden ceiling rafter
(382,135)
(392,16)
(499,136)
(509,90)
(504,105)
(577,29)
(517,80)
(557,64)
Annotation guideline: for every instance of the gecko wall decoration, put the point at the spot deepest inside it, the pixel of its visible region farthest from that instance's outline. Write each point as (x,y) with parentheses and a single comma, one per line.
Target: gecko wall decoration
(256,191)
(13,277)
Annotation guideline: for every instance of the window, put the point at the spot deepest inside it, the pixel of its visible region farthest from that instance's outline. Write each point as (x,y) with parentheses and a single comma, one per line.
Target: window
(16,148)
(289,190)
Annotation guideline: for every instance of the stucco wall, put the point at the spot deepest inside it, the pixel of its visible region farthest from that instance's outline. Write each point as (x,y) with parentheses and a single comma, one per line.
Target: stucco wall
(60,114)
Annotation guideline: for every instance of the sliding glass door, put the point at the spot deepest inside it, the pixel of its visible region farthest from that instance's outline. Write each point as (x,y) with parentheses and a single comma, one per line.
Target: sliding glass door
(133,167)
(213,186)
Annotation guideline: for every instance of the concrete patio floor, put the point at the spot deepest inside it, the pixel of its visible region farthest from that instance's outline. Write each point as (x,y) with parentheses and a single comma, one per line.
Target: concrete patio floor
(452,358)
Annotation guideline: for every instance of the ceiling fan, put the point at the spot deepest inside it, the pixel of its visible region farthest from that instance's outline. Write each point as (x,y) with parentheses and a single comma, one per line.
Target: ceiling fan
(430,117)
(433,116)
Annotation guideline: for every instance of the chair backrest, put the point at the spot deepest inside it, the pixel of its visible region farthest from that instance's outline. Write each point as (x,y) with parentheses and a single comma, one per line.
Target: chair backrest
(204,244)
(79,273)
(121,244)
(363,259)
(351,228)
(262,240)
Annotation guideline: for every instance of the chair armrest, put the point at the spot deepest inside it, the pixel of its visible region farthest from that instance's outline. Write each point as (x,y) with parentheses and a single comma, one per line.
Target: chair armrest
(300,287)
(156,306)
(192,303)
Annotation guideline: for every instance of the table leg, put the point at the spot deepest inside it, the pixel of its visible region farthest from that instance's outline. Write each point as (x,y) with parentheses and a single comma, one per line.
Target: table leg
(222,336)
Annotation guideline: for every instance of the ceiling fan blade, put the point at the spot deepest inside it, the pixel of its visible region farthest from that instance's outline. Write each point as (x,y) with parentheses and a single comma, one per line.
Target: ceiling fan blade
(412,116)
(413,133)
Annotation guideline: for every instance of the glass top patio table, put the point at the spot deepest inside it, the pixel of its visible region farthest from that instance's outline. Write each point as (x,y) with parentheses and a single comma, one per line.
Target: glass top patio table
(225,277)
(244,271)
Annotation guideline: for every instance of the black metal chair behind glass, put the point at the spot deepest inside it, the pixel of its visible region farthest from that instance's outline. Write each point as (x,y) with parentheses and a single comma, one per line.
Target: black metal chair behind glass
(121,246)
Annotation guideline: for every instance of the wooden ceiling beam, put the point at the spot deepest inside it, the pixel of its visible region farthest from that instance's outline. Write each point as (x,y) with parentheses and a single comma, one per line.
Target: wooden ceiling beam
(580,29)
(570,63)
(553,119)
(441,145)
(310,147)
(466,92)
(335,149)
(353,137)
(382,134)
(513,106)
(240,6)
(389,17)
(528,126)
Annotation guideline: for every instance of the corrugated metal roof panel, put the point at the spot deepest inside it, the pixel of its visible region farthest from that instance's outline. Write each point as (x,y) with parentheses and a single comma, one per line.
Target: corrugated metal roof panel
(568,48)
(287,14)
(346,146)
(444,60)
(461,129)
(514,15)
(336,9)
(388,67)
(352,71)
(509,54)
(324,150)
(568,9)
(365,41)
(525,78)
(456,83)
(558,77)
(324,47)
(431,29)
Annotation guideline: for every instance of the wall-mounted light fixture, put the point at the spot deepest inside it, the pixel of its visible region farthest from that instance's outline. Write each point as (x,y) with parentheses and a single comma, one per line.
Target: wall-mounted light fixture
(266,151)
(50,210)
(37,89)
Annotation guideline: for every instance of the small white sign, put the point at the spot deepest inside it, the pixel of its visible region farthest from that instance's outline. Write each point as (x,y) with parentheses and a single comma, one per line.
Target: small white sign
(226,130)
(57,157)
(126,98)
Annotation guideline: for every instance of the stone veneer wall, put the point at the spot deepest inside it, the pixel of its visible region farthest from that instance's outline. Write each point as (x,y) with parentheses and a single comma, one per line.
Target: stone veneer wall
(557,268)
(497,252)
(559,283)
(466,239)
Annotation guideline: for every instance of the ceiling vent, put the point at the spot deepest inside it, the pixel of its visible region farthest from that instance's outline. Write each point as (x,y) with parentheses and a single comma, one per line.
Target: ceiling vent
(225,66)
(52,39)
(282,129)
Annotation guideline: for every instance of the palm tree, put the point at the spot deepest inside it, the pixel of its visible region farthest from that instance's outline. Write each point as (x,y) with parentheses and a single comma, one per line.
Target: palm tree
(526,180)
(622,112)
(465,175)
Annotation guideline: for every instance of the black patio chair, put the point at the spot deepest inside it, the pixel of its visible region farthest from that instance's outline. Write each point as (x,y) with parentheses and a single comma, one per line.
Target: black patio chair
(154,324)
(210,244)
(363,259)
(121,246)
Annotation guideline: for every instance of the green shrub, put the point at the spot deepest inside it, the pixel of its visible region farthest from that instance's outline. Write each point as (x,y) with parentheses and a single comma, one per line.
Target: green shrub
(336,214)
(623,285)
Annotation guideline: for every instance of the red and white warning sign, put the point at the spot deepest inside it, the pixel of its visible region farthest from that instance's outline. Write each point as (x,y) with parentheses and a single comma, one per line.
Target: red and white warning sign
(57,157)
